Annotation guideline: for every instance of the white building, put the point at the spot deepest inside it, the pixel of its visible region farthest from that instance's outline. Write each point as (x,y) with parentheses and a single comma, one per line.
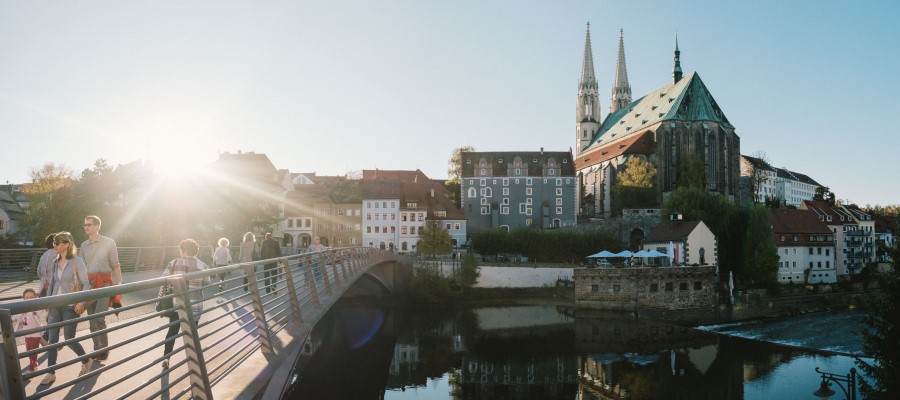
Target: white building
(806,247)
(793,188)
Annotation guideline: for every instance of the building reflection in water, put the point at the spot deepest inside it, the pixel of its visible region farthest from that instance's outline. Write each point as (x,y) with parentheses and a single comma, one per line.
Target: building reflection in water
(529,353)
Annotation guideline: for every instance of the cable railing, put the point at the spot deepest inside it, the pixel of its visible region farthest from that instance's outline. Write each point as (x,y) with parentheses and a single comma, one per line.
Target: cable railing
(238,320)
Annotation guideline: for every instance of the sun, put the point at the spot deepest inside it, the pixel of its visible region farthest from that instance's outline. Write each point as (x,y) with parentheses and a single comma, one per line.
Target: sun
(177,162)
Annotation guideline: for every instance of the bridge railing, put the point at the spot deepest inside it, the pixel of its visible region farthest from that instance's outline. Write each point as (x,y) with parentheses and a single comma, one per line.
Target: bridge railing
(243,319)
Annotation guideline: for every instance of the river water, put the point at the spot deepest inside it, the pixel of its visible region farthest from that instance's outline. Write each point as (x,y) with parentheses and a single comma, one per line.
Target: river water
(364,351)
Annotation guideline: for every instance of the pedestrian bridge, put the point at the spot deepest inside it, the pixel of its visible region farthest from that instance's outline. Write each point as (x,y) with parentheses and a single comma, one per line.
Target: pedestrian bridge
(245,340)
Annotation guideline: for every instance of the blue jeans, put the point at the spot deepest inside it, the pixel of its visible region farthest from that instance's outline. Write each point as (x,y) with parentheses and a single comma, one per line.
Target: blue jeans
(58,314)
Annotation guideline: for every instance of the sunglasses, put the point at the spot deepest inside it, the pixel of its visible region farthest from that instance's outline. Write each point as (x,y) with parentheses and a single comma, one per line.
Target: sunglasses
(57,242)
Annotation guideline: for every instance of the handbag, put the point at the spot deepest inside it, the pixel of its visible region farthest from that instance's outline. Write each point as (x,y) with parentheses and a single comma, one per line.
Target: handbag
(165,303)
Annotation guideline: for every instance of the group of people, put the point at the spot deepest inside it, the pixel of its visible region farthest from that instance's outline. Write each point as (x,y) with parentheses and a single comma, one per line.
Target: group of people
(63,269)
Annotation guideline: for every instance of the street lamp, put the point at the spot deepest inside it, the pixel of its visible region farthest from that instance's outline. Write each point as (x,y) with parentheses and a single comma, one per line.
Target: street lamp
(825,391)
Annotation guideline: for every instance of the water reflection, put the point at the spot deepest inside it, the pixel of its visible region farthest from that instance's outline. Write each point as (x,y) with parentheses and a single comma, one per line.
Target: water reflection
(362,351)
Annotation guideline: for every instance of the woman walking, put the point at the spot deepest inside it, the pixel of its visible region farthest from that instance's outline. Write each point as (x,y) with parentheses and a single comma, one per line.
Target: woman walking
(248,250)
(67,274)
(221,258)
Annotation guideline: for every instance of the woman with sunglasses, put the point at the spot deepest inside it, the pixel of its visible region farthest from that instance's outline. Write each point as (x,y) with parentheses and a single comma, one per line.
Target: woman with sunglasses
(65,274)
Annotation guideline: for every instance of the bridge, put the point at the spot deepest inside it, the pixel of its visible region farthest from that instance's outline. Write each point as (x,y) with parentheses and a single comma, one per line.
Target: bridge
(244,346)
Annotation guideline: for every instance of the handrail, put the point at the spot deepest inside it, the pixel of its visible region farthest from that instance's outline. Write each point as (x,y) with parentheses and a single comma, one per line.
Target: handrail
(229,331)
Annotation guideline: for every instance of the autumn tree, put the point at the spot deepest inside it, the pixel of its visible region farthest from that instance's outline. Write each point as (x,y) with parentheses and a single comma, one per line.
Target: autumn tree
(634,185)
(52,204)
(454,165)
(434,240)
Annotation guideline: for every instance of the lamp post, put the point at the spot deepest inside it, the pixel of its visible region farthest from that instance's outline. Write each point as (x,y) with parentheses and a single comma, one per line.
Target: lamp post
(825,391)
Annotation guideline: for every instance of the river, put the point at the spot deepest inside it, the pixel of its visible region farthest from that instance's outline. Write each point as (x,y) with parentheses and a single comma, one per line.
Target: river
(364,351)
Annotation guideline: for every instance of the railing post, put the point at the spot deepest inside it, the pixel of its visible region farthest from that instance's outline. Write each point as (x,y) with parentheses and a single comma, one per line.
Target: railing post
(345,259)
(10,371)
(292,290)
(326,257)
(334,268)
(312,282)
(193,349)
(259,315)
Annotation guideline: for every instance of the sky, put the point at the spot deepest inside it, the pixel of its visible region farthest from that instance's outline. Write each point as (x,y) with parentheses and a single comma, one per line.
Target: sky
(338,86)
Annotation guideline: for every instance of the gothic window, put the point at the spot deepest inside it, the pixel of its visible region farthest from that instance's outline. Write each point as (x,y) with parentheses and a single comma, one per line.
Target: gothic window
(473,192)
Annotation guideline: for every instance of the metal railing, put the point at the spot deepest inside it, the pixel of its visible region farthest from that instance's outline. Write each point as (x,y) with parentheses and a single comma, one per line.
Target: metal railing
(242,320)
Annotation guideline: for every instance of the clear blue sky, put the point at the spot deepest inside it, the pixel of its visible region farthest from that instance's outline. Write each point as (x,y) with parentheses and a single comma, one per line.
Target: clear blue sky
(334,86)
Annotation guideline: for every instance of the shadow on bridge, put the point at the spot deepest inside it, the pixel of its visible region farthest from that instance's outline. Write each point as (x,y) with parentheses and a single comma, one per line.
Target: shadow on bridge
(245,338)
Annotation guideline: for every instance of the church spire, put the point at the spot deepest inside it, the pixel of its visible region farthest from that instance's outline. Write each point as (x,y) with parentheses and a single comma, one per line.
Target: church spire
(621,91)
(676,71)
(587,110)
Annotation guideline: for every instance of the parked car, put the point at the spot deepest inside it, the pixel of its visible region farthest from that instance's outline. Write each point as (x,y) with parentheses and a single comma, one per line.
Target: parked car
(603,263)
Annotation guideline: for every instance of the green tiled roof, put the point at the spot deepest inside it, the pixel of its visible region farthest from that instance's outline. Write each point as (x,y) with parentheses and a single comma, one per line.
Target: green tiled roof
(686,100)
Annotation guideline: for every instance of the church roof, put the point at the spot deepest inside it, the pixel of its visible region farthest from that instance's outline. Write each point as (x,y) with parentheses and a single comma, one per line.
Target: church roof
(687,100)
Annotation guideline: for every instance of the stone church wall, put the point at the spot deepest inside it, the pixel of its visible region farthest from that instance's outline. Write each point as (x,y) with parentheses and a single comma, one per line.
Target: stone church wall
(632,289)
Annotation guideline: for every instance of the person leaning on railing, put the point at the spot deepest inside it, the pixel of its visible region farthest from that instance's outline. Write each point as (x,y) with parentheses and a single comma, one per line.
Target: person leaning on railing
(68,271)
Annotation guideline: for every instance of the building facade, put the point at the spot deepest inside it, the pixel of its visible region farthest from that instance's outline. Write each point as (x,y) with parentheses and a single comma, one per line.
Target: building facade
(507,190)
(686,242)
(793,188)
(806,247)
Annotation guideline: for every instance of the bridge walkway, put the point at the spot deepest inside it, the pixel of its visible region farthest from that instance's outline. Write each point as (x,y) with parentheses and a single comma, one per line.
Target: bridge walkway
(243,338)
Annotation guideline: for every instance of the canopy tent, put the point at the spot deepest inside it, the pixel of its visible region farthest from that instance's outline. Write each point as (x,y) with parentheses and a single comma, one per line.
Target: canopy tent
(623,253)
(602,254)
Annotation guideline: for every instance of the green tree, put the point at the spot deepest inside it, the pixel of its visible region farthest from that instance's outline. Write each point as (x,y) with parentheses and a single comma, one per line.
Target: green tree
(760,254)
(881,337)
(454,165)
(434,240)
(468,271)
(823,193)
(634,185)
(692,172)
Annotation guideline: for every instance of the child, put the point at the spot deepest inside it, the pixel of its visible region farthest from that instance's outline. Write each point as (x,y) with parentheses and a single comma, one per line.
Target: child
(30,320)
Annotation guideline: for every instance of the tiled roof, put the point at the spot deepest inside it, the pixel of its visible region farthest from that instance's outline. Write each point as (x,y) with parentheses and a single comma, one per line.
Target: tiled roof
(533,162)
(823,211)
(796,176)
(686,100)
(672,230)
(410,186)
(634,144)
(797,222)
(9,205)
(758,163)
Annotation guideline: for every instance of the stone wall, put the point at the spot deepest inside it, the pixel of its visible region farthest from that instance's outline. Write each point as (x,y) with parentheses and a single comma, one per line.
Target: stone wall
(636,289)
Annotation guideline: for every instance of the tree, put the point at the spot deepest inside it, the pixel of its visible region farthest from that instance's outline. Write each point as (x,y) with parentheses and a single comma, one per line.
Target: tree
(692,172)
(760,254)
(468,272)
(823,193)
(434,240)
(454,167)
(52,205)
(881,337)
(634,185)
(757,176)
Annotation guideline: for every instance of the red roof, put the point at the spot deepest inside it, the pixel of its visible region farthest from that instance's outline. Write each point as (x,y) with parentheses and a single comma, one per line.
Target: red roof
(641,143)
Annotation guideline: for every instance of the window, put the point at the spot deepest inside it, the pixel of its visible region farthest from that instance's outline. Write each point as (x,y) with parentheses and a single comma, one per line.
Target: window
(403,217)
(376,217)
(595,288)
(377,229)
(369,216)
(528,181)
(559,201)
(528,201)
(810,251)
(421,216)
(528,191)
(559,183)
(559,191)
(290,223)
(456,225)
(482,182)
(528,221)
(505,183)
(485,210)
(698,285)
(403,230)
(559,210)
(506,191)
(683,286)
(505,201)
(447,227)
(504,210)
(670,286)
(654,287)
(616,288)
(368,229)
(472,192)
(484,200)
(522,208)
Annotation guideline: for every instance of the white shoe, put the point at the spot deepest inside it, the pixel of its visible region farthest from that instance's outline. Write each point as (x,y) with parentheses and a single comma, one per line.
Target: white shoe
(48,379)
(86,367)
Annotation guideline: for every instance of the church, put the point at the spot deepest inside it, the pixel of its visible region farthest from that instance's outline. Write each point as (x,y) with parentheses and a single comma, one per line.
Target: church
(664,128)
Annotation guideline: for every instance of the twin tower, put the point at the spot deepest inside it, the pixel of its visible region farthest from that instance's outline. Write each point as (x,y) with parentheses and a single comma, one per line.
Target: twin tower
(588,116)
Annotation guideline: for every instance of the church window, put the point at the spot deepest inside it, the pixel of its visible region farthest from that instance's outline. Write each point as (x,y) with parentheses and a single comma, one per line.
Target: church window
(473,192)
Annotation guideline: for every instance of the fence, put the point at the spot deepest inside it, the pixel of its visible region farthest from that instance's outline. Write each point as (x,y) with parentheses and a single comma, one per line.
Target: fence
(243,320)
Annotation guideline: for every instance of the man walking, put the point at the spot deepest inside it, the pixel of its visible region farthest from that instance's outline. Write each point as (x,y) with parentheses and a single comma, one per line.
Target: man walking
(270,249)
(101,257)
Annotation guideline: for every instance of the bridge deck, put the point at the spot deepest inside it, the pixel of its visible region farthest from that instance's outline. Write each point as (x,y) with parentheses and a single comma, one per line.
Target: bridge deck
(238,364)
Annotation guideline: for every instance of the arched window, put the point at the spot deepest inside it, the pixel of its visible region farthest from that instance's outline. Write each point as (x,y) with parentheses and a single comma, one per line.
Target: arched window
(487,192)
(473,192)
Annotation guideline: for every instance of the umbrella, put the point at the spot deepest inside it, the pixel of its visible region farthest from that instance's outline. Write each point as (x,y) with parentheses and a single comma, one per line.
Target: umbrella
(642,253)
(654,253)
(602,254)
(623,253)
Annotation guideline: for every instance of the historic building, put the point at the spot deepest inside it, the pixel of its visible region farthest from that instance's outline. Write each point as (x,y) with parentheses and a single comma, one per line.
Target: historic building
(509,189)
(806,247)
(854,235)
(664,127)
